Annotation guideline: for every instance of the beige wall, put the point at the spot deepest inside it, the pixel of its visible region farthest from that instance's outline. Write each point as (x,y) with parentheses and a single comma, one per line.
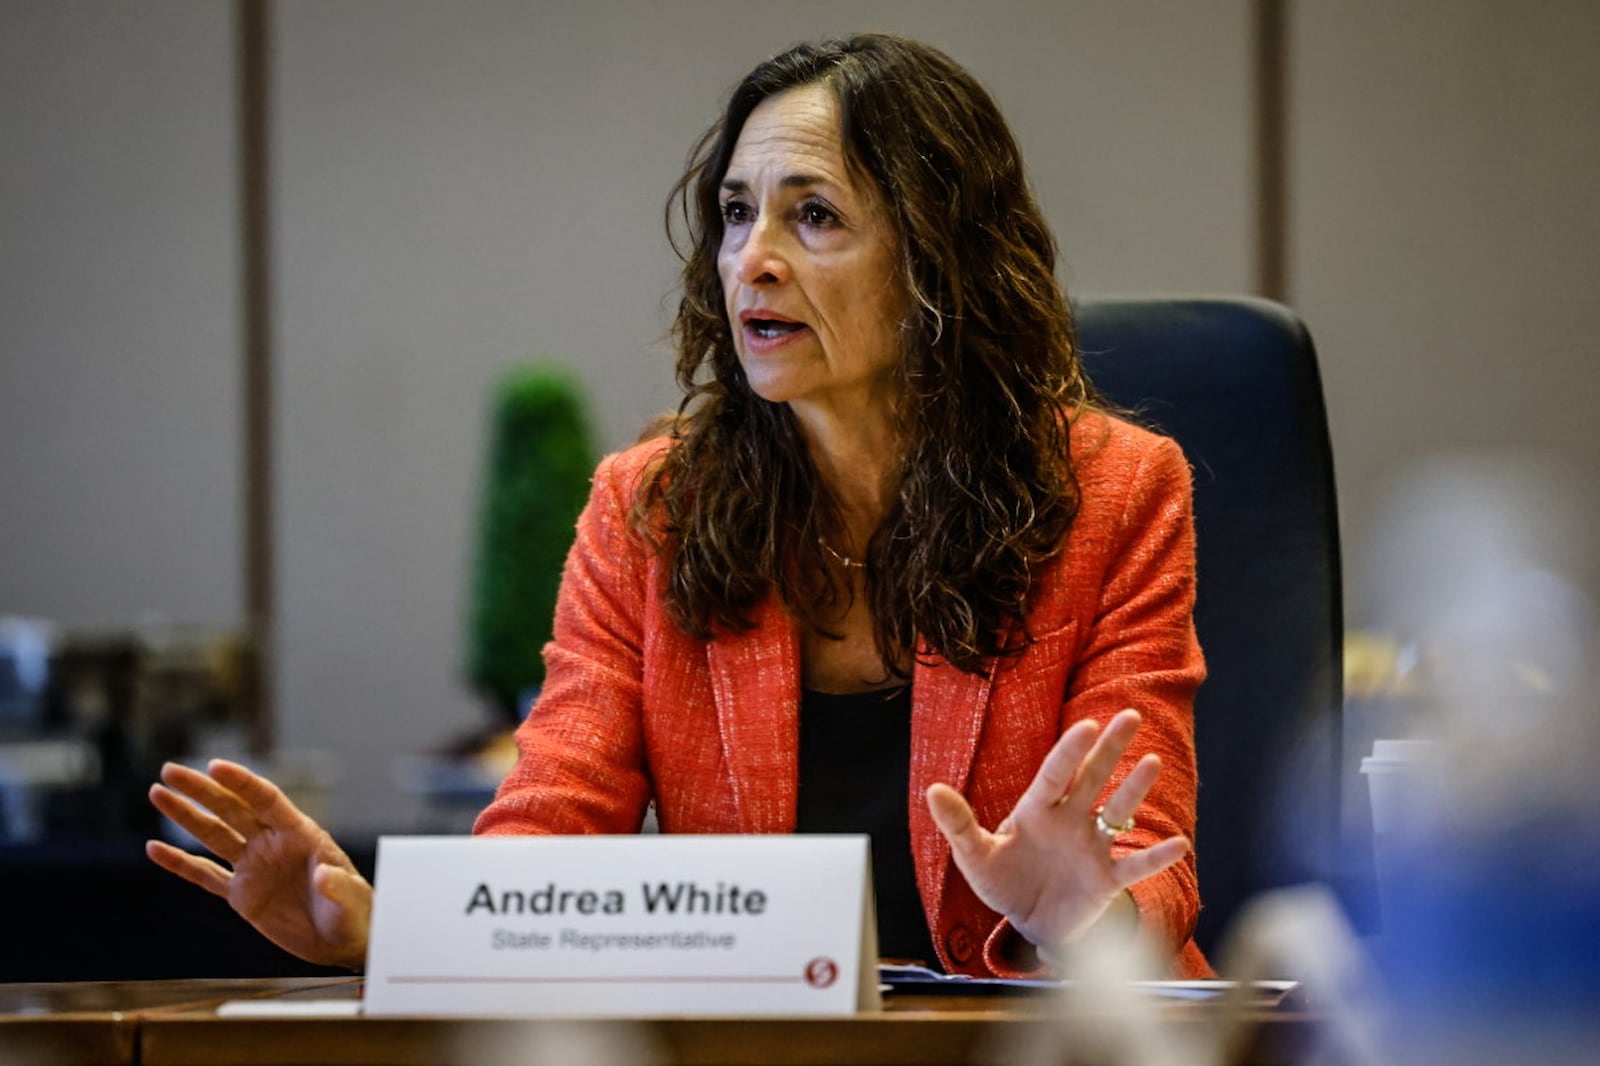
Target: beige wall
(119,351)
(1446,235)
(462,185)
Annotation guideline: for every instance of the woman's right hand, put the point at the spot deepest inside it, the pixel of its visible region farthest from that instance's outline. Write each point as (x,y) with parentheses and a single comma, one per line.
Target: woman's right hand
(283,873)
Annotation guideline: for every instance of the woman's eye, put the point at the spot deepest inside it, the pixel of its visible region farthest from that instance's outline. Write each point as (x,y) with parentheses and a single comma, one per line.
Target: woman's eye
(735,212)
(817,215)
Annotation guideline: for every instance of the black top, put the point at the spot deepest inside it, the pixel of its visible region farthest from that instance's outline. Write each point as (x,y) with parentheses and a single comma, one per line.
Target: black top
(855,773)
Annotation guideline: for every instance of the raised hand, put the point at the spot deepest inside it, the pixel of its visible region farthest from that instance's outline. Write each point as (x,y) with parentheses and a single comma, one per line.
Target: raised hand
(1048,866)
(284,874)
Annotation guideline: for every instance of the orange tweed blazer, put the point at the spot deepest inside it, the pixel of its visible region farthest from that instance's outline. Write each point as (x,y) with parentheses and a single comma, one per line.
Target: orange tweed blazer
(633,709)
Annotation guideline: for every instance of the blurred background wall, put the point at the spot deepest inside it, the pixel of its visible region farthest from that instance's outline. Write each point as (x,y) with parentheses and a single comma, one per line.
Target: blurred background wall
(457,186)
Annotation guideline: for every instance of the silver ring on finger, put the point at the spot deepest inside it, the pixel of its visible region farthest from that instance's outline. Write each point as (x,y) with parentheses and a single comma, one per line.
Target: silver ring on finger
(1109,831)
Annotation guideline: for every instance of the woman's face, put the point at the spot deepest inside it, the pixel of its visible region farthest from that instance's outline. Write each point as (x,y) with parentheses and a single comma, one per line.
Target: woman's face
(808,263)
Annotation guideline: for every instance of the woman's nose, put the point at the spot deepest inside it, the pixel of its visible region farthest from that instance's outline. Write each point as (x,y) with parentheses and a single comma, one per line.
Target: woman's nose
(762,260)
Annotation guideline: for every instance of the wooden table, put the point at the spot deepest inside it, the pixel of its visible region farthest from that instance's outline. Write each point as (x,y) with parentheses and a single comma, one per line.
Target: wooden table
(175,1023)
(88,1023)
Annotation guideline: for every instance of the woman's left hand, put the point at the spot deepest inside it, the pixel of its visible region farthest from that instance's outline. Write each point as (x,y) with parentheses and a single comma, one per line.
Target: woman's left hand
(1047,867)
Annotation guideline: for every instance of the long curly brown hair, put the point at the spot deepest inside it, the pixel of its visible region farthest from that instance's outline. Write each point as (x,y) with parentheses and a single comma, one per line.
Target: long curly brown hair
(990,381)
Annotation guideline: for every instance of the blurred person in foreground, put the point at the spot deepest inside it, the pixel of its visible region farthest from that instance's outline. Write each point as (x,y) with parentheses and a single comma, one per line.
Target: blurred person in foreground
(892,570)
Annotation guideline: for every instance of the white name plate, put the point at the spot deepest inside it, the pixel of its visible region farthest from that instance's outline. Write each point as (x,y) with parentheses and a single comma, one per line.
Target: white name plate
(622,926)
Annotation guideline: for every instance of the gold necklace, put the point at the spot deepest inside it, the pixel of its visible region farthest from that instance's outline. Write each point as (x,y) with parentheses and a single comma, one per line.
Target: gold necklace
(843,560)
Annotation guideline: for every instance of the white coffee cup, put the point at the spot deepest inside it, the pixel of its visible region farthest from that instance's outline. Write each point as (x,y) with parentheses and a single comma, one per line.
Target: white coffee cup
(1399,777)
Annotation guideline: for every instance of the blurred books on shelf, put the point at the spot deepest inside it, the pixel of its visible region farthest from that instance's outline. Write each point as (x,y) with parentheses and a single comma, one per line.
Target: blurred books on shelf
(457,780)
(87,717)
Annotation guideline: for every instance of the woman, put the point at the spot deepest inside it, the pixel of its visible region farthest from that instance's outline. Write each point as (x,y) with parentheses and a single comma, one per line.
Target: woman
(892,570)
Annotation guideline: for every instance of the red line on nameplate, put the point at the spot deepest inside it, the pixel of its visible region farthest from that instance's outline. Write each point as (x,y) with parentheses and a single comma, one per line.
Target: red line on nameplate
(753,979)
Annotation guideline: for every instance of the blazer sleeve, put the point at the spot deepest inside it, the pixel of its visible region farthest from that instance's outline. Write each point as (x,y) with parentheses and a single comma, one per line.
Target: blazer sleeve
(580,752)
(1141,652)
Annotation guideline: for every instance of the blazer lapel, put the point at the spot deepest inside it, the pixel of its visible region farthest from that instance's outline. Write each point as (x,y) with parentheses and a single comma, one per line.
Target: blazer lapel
(755,679)
(947,714)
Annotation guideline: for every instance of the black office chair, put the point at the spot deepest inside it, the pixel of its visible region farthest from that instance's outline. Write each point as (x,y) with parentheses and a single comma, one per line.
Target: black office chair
(1235,382)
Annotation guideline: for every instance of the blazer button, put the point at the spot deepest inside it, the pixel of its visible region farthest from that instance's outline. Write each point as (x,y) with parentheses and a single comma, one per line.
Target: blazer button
(959,944)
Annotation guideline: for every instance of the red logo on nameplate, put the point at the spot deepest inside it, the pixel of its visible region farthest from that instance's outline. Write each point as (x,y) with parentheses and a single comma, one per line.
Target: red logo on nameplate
(821,972)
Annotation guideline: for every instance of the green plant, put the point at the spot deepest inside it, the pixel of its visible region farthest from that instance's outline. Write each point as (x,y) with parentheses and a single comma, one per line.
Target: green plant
(540,460)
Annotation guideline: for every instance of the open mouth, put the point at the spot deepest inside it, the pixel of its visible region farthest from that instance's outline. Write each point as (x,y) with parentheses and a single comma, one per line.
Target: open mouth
(768,328)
